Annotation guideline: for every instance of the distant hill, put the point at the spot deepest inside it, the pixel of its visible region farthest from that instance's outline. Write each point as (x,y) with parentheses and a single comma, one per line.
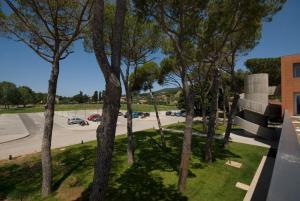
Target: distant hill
(165,91)
(163,96)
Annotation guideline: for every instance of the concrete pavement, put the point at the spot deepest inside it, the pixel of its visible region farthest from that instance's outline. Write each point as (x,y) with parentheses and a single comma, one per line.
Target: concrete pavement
(64,134)
(12,127)
(31,125)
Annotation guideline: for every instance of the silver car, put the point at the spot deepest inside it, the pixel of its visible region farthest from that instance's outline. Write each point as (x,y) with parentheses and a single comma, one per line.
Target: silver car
(75,120)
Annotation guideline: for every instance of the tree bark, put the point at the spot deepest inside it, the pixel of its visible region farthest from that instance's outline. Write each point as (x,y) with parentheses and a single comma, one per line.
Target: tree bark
(48,127)
(213,117)
(162,136)
(105,140)
(224,107)
(230,118)
(187,138)
(204,120)
(111,71)
(130,137)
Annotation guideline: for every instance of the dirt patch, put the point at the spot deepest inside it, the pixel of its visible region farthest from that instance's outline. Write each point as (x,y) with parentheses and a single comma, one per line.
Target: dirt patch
(70,194)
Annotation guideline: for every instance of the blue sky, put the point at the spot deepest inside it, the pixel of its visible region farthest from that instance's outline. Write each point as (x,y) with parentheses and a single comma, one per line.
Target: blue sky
(80,71)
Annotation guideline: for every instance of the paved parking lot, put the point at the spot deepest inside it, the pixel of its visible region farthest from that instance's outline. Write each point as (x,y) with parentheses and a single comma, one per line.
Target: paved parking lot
(12,127)
(32,124)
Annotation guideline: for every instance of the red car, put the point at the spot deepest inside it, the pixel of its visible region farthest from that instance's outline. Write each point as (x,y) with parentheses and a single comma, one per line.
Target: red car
(93,117)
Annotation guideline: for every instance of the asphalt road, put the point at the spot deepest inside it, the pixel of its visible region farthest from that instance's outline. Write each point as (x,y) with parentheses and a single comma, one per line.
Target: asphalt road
(64,134)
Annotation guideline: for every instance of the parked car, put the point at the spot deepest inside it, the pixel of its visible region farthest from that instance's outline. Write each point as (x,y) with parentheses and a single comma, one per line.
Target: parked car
(75,120)
(94,117)
(168,113)
(84,123)
(134,115)
(180,113)
(120,114)
(145,114)
(177,114)
(97,118)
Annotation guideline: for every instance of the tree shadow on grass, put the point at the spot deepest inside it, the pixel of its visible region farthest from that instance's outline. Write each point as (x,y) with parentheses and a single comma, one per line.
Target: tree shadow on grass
(70,160)
(22,180)
(19,181)
(219,152)
(138,184)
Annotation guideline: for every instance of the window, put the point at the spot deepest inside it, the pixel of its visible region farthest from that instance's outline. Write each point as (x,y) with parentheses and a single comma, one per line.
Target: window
(297,104)
(297,70)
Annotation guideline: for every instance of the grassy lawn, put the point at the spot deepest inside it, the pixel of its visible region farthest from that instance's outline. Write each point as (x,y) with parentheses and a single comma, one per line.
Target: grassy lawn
(63,107)
(152,177)
(198,127)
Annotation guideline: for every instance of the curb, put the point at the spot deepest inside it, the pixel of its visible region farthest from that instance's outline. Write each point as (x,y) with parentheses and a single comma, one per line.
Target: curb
(27,135)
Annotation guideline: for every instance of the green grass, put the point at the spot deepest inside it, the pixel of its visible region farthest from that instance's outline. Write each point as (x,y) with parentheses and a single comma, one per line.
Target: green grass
(152,177)
(198,127)
(64,107)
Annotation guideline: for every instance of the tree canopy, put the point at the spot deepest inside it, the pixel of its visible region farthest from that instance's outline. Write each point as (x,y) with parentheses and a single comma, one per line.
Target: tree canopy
(266,65)
(144,77)
(26,95)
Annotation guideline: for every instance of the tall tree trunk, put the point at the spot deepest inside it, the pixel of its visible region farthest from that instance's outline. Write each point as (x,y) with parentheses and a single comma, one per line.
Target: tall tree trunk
(130,137)
(48,127)
(105,139)
(204,120)
(111,70)
(187,137)
(213,117)
(230,118)
(162,136)
(224,107)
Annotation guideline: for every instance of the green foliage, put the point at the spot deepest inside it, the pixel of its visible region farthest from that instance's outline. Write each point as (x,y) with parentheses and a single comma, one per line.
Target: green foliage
(40,98)
(26,95)
(81,98)
(266,65)
(1,17)
(9,94)
(144,77)
(167,69)
(95,97)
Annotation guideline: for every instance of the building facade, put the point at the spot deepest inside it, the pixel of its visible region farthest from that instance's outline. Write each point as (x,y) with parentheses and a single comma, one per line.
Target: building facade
(290,84)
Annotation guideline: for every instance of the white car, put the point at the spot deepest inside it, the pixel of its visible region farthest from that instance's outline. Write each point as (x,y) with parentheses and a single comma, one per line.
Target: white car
(75,120)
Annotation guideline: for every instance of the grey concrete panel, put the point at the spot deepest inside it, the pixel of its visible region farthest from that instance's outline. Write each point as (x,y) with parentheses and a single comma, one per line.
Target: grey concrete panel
(257,87)
(266,133)
(285,180)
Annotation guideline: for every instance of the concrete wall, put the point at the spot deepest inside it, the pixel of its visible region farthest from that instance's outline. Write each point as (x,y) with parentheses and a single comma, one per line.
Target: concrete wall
(289,84)
(257,88)
(254,106)
(286,175)
(263,132)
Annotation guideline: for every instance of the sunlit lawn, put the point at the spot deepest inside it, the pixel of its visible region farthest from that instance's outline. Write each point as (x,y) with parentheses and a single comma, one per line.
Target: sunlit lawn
(152,177)
(198,127)
(64,107)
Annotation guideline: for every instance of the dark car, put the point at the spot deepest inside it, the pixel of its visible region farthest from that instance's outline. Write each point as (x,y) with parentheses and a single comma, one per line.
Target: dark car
(135,114)
(96,119)
(120,114)
(168,113)
(145,114)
